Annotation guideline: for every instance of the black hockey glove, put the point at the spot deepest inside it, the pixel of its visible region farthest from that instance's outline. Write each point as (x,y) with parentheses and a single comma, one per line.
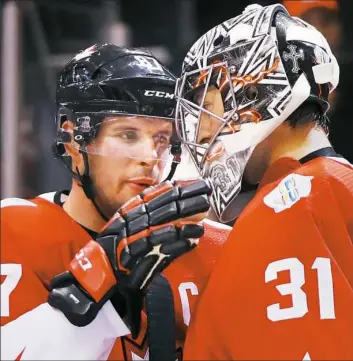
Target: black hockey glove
(142,238)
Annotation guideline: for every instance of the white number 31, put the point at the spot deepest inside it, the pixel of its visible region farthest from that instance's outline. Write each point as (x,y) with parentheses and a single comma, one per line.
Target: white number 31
(293,288)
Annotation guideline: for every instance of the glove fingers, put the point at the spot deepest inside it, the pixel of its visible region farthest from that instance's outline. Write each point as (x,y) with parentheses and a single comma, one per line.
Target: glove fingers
(192,206)
(165,214)
(141,247)
(115,226)
(165,234)
(172,238)
(179,209)
(140,223)
(176,249)
(156,197)
(173,242)
(188,189)
(144,271)
(140,273)
(170,196)
(184,243)
(191,231)
(133,251)
(162,204)
(150,231)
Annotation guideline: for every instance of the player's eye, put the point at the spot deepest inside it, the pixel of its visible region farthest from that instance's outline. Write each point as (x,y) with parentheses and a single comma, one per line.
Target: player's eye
(129,135)
(204,141)
(208,106)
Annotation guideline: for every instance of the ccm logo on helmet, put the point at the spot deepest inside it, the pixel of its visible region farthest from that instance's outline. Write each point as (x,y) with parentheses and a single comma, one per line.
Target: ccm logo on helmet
(159,94)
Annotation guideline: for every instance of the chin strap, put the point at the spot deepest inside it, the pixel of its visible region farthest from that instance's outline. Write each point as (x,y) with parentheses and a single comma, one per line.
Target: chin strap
(87,184)
(176,152)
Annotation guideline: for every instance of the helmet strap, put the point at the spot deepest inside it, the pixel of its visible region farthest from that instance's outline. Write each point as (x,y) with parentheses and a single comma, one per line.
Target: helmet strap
(87,184)
(176,152)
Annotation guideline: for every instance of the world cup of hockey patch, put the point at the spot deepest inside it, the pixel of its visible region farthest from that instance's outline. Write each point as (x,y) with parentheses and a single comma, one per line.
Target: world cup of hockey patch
(288,192)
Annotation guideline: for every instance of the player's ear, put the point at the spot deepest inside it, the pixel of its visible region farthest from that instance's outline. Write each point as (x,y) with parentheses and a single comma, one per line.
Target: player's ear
(72,148)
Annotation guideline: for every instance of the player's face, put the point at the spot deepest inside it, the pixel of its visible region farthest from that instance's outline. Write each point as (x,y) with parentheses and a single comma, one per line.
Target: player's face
(129,155)
(209,124)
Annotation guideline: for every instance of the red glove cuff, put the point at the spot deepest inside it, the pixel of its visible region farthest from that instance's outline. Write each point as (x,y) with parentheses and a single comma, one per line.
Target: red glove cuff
(84,268)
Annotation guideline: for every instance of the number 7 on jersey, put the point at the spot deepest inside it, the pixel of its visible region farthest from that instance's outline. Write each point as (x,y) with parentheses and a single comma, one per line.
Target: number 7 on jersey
(13,273)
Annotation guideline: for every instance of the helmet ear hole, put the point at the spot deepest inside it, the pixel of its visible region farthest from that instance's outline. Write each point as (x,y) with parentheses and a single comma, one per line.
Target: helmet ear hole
(251,92)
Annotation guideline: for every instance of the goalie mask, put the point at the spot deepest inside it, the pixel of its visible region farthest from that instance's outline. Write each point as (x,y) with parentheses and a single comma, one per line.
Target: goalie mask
(246,76)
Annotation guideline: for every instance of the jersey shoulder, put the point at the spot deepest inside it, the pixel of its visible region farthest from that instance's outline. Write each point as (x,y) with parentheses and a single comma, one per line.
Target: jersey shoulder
(16,210)
(39,216)
(45,235)
(307,182)
(334,167)
(337,171)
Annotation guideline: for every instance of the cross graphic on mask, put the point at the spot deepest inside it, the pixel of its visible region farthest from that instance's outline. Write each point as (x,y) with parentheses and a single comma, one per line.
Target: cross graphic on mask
(294,56)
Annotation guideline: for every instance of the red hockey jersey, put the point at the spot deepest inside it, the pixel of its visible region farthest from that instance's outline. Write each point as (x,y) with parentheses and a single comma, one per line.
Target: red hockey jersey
(282,288)
(39,240)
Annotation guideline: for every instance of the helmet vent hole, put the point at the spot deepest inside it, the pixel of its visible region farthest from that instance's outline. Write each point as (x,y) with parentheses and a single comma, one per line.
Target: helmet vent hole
(81,75)
(218,41)
(251,93)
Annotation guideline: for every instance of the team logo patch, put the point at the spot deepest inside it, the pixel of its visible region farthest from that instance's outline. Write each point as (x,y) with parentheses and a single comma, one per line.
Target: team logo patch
(288,192)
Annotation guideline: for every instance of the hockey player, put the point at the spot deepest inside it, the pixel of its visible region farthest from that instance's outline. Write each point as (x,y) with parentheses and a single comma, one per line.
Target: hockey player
(251,108)
(115,130)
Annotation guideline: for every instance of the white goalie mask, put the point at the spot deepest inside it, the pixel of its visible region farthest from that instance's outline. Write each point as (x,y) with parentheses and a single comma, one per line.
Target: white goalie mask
(263,65)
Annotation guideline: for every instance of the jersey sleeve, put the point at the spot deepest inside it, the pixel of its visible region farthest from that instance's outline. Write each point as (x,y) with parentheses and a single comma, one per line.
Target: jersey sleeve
(45,334)
(278,291)
(31,329)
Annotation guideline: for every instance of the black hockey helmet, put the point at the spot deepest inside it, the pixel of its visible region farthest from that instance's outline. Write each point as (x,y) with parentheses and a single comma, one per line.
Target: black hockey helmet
(107,81)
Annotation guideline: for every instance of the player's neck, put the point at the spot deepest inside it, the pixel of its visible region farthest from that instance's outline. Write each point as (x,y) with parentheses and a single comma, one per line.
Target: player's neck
(81,209)
(299,142)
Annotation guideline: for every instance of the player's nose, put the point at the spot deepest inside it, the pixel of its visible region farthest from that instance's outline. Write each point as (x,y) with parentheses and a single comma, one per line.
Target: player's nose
(207,129)
(149,156)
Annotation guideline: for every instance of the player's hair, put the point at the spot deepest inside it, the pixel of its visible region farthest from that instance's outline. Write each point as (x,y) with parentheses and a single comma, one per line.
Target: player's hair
(308,112)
